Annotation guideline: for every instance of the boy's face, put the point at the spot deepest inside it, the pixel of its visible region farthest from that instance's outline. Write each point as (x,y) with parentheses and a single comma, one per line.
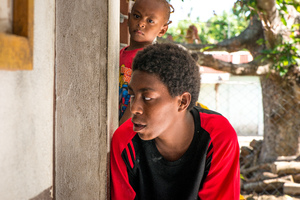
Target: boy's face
(146,21)
(152,107)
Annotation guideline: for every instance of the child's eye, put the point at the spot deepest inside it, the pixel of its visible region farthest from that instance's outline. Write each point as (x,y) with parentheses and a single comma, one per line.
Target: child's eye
(150,21)
(136,16)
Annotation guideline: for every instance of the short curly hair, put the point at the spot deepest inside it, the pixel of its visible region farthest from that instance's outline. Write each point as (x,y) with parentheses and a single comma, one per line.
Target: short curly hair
(174,66)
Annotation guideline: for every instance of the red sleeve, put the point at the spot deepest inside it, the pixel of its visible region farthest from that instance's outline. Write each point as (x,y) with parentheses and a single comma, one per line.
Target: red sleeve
(120,186)
(223,179)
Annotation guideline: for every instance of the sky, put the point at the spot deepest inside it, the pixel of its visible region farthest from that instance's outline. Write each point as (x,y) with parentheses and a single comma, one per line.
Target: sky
(203,9)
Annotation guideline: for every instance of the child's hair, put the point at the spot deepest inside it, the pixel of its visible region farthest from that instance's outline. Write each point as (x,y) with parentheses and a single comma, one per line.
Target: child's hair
(170,9)
(174,66)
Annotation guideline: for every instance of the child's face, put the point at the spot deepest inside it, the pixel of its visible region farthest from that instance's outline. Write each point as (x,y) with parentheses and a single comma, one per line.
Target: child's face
(152,107)
(146,21)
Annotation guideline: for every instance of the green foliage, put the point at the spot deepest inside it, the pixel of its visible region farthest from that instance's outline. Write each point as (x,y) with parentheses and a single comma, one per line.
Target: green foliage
(213,31)
(286,55)
(225,26)
(245,8)
(282,8)
(283,56)
(178,33)
(249,8)
(206,48)
(242,177)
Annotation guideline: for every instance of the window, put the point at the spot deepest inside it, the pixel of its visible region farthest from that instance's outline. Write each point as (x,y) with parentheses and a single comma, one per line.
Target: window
(16,52)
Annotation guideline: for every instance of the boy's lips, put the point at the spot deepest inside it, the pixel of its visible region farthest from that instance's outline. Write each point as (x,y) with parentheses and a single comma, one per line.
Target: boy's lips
(139,32)
(138,127)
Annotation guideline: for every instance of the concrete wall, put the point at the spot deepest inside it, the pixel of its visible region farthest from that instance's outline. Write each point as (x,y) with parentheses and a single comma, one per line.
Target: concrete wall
(26,116)
(87,47)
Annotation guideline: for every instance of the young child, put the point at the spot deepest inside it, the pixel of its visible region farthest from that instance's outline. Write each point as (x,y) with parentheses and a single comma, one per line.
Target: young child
(147,20)
(171,149)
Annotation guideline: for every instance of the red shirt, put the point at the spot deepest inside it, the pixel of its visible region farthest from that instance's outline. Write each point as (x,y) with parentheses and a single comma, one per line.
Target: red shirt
(126,58)
(209,170)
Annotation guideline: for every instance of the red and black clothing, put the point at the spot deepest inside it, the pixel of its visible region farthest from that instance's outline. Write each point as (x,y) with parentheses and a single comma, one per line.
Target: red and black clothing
(209,169)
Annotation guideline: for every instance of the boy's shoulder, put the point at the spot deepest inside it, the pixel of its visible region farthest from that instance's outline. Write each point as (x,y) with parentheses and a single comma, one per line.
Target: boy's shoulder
(205,110)
(210,117)
(215,123)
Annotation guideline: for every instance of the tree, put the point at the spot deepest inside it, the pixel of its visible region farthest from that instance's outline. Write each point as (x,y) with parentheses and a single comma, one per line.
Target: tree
(272,37)
(213,31)
(226,25)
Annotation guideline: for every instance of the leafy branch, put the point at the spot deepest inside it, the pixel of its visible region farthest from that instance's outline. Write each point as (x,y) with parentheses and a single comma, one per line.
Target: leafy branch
(283,56)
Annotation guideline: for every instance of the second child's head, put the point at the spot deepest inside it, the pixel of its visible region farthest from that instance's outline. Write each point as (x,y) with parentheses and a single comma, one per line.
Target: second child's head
(147,20)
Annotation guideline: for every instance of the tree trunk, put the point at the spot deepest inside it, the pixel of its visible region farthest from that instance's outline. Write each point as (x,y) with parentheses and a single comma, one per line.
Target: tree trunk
(281,107)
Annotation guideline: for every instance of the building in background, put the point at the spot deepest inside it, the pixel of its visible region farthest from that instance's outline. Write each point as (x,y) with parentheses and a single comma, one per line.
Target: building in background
(238,98)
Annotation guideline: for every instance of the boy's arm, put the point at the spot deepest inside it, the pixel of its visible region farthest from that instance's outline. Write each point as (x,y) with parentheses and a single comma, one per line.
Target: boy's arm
(126,115)
(223,179)
(120,186)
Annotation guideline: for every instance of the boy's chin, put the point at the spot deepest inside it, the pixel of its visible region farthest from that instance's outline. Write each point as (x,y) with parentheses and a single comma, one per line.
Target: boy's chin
(145,137)
(138,40)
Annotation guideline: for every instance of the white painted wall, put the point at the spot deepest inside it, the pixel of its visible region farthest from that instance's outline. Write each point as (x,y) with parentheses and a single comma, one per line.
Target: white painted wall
(26,115)
(240,100)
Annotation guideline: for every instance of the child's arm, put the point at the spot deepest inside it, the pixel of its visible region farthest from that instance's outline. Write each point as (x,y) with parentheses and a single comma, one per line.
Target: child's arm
(126,115)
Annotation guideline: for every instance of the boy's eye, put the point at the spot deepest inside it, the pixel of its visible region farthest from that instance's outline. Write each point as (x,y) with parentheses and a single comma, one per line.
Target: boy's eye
(147,98)
(136,16)
(150,21)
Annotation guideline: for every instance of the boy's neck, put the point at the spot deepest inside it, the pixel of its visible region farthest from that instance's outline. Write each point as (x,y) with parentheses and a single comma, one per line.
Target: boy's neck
(176,144)
(137,45)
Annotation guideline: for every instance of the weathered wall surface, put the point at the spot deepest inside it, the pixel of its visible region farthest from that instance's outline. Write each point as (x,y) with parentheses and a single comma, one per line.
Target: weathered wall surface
(86,96)
(26,116)
(67,103)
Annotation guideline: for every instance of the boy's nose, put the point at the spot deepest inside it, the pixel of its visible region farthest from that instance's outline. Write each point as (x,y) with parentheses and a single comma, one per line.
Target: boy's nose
(135,107)
(141,23)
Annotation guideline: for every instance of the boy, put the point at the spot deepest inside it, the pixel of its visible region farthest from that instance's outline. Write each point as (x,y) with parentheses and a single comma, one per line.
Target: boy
(171,149)
(147,20)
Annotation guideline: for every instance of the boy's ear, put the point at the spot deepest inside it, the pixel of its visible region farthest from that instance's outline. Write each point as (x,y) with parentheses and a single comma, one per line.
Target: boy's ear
(184,101)
(163,30)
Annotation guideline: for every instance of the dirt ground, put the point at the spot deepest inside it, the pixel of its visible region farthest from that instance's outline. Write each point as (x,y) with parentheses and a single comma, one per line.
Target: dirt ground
(269,197)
